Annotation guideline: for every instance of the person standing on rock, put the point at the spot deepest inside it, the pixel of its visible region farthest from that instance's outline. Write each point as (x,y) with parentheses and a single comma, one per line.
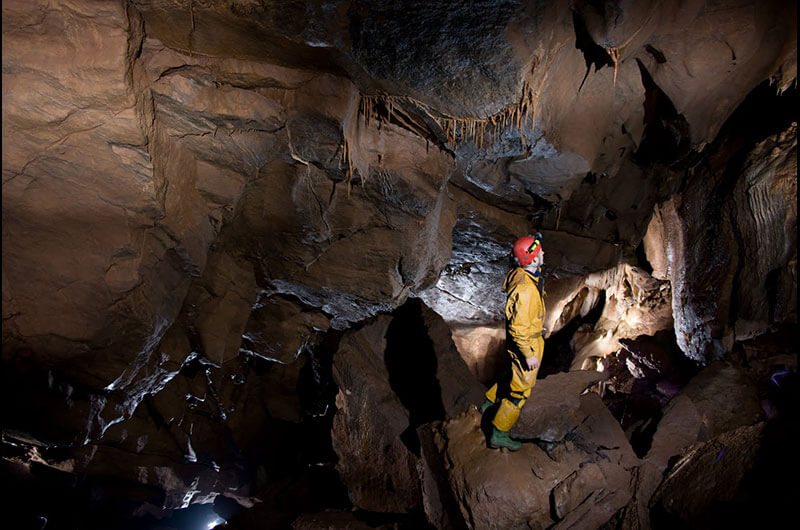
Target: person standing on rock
(524,342)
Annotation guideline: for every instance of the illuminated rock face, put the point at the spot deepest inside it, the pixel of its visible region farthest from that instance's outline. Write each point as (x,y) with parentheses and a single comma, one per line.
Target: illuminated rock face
(201,200)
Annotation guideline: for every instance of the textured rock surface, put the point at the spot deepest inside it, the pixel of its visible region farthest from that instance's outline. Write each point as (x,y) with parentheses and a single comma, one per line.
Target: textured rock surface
(580,476)
(200,198)
(717,400)
(635,304)
(367,429)
(709,472)
(395,375)
(722,278)
(555,406)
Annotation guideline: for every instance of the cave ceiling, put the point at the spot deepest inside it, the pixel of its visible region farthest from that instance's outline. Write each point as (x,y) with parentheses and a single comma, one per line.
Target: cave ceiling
(197,180)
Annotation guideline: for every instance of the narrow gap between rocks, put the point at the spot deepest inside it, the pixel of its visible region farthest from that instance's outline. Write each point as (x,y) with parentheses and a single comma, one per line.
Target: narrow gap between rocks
(666,138)
(411,361)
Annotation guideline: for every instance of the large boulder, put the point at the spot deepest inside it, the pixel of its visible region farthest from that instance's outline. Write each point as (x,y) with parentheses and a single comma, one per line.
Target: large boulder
(708,474)
(394,375)
(578,476)
(717,400)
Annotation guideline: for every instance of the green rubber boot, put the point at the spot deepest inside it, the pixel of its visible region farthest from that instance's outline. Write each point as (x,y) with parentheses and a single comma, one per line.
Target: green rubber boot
(501,439)
(485,406)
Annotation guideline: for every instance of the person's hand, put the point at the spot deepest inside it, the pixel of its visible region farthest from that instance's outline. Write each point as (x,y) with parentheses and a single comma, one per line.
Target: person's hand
(533,362)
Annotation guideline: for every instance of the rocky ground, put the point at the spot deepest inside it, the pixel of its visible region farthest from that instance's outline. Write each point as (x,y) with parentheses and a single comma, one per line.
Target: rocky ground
(252,253)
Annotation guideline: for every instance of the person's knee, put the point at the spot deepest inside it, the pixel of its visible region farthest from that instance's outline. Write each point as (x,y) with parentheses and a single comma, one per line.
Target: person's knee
(517,399)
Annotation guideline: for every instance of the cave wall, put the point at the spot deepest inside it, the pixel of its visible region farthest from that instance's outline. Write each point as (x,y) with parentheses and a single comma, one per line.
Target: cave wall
(198,197)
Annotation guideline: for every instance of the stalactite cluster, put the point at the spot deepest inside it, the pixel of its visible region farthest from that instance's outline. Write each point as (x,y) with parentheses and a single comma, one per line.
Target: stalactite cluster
(486,130)
(481,131)
(382,108)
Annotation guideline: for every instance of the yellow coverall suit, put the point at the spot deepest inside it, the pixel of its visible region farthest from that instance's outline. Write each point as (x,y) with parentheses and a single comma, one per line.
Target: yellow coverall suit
(524,324)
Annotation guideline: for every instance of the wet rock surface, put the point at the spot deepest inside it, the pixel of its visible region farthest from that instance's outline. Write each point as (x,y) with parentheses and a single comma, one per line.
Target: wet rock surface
(220,218)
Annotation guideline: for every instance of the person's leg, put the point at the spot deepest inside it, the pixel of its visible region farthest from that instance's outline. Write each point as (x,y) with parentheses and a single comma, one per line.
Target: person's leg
(522,381)
(491,398)
(520,389)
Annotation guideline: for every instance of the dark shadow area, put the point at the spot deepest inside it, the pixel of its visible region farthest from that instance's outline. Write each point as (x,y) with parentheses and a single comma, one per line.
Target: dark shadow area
(292,470)
(661,519)
(763,113)
(400,521)
(767,359)
(666,138)
(643,377)
(593,53)
(317,391)
(772,483)
(488,414)
(411,361)
(558,354)
(38,497)
(657,54)
(300,474)
(638,414)
(641,259)
(768,493)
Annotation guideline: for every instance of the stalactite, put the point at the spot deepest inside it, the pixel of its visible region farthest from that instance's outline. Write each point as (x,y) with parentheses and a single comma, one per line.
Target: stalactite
(348,163)
(480,131)
(484,131)
(614,54)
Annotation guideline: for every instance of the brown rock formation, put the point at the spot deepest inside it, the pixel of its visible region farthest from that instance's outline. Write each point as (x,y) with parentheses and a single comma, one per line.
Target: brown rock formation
(220,216)
(582,477)
(394,375)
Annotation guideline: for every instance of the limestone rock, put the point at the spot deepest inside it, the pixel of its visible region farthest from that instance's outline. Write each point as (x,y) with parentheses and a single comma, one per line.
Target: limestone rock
(554,408)
(368,425)
(635,304)
(194,191)
(702,295)
(717,400)
(395,375)
(494,488)
(582,479)
(278,329)
(708,472)
(483,348)
(459,388)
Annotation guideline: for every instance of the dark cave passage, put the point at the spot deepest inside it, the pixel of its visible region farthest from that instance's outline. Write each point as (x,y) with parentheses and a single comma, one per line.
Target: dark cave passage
(764,112)
(558,352)
(411,362)
(638,402)
(666,138)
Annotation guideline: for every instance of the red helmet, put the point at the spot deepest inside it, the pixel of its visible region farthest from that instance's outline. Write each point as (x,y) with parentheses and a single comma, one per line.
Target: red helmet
(526,248)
